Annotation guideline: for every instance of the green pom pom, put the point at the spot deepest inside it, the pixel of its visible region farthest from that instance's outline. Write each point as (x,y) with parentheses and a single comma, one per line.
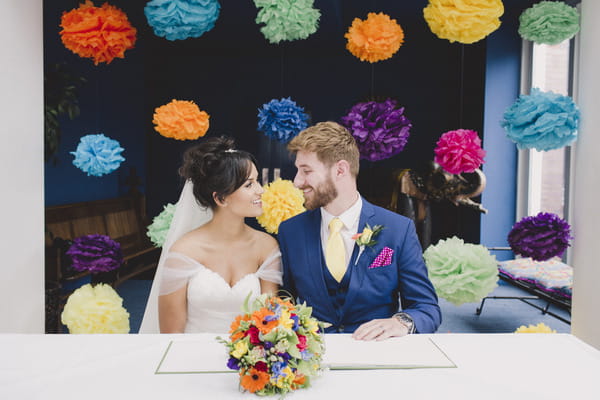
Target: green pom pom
(287,19)
(461,272)
(549,22)
(158,229)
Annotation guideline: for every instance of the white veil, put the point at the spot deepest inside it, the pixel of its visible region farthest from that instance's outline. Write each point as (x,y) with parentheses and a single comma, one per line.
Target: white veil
(188,215)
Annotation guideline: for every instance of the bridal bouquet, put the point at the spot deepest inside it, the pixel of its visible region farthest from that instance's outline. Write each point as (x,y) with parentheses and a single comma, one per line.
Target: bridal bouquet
(275,345)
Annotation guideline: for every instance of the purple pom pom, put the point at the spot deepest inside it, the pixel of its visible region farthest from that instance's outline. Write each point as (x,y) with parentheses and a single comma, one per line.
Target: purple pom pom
(95,253)
(541,237)
(380,128)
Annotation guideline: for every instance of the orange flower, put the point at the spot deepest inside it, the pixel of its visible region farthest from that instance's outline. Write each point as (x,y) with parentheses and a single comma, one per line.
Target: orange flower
(259,318)
(235,325)
(100,33)
(285,304)
(377,38)
(181,120)
(254,380)
(299,380)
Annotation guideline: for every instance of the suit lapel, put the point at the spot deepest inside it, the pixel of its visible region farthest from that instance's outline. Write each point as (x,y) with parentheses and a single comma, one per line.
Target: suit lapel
(359,265)
(314,259)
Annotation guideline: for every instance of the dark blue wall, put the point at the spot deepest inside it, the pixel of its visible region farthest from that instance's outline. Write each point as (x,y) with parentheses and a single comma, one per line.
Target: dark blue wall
(232,70)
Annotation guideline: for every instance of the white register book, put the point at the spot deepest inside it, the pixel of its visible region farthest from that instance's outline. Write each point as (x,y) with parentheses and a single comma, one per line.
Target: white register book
(341,352)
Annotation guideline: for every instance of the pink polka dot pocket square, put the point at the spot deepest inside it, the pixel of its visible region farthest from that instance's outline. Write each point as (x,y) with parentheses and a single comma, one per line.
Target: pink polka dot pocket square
(383,259)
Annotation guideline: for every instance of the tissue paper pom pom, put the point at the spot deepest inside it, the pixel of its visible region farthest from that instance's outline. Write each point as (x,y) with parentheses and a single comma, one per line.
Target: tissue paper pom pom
(95,253)
(182,19)
(541,237)
(539,328)
(282,119)
(98,155)
(380,128)
(95,309)
(181,120)
(377,38)
(459,151)
(549,22)
(461,272)
(100,33)
(158,229)
(281,200)
(287,20)
(542,120)
(463,21)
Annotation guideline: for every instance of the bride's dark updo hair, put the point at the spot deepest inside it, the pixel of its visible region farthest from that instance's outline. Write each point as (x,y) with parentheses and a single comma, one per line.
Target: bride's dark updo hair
(215,166)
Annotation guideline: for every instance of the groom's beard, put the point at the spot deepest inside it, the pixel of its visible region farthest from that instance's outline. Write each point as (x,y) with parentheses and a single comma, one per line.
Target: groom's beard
(321,195)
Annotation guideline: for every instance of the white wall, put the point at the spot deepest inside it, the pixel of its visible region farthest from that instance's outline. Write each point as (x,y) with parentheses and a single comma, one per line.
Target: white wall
(586,201)
(21,175)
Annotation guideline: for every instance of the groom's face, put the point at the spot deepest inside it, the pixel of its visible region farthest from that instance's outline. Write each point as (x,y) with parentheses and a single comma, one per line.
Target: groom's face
(315,181)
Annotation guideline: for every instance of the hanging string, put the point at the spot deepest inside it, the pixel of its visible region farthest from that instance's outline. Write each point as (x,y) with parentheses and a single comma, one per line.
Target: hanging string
(372,81)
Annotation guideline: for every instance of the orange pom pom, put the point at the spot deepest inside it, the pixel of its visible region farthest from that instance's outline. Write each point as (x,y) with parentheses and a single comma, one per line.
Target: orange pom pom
(377,38)
(100,33)
(181,120)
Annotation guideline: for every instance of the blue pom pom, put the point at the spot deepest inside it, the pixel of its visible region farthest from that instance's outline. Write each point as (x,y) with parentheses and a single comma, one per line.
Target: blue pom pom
(282,119)
(97,155)
(182,19)
(542,120)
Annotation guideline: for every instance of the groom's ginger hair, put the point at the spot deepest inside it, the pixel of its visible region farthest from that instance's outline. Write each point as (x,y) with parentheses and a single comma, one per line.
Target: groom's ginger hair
(331,142)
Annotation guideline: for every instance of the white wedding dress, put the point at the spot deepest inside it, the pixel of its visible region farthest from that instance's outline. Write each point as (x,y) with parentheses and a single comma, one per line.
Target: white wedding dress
(212,303)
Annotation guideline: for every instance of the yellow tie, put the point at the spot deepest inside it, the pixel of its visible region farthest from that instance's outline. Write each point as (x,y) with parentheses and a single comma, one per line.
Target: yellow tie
(335,252)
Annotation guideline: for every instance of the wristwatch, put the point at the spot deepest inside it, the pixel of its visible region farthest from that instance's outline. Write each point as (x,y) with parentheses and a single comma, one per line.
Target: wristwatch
(406,320)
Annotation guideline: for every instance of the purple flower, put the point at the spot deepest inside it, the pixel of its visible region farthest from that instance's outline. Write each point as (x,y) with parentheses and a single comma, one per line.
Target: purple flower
(296,320)
(541,237)
(233,363)
(268,345)
(285,356)
(380,128)
(95,253)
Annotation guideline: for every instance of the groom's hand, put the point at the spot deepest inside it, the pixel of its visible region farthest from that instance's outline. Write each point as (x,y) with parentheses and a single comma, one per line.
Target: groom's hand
(380,329)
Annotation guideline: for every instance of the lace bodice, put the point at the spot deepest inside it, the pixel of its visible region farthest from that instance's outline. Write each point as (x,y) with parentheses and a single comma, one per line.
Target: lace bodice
(212,303)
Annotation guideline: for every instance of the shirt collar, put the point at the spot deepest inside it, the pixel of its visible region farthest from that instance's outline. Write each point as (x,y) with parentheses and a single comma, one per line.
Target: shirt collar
(349,217)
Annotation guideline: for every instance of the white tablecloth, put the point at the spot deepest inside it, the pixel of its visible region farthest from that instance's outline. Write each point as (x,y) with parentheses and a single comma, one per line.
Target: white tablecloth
(489,366)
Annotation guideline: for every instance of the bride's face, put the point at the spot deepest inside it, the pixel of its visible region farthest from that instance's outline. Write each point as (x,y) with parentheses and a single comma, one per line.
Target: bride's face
(245,201)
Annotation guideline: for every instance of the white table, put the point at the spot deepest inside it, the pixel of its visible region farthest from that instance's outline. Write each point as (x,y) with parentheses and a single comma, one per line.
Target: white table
(489,366)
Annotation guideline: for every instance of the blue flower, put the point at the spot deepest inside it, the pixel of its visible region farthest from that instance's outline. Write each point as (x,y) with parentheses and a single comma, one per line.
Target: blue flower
(97,155)
(542,120)
(233,363)
(277,369)
(296,322)
(282,119)
(306,355)
(182,19)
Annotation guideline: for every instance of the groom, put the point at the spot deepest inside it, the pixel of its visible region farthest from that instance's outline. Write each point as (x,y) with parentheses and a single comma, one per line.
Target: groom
(359,279)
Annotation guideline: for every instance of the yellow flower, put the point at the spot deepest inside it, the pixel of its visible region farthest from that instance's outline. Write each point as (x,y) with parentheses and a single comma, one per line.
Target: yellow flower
(539,328)
(280,201)
(464,21)
(285,320)
(240,348)
(95,309)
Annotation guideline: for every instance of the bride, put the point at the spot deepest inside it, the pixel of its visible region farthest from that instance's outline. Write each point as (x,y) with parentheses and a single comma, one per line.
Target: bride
(211,259)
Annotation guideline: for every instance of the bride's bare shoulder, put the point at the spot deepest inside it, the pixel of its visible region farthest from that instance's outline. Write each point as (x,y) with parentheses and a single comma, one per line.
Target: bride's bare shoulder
(265,242)
(191,242)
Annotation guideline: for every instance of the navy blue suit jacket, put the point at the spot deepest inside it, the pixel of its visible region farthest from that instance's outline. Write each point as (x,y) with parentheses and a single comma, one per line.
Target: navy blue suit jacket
(372,292)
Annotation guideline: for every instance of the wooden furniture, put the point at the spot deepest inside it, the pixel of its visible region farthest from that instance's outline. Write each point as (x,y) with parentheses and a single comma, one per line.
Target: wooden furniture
(119,218)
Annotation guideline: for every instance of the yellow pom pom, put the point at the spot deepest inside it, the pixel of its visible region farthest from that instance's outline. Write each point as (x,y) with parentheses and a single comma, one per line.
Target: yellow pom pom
(464,21)
(377,38)
(181,120)
(95,309)
(539,328)
(281,200)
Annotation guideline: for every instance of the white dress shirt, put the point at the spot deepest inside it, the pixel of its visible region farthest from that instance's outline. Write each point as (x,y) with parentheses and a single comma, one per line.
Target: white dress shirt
(350,218)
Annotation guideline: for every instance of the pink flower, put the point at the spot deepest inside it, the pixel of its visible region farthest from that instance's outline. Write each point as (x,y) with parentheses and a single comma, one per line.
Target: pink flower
(459,151)
(302,343)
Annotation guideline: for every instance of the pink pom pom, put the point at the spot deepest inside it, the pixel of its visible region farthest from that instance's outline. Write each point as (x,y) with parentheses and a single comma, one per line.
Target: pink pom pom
(459,151)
